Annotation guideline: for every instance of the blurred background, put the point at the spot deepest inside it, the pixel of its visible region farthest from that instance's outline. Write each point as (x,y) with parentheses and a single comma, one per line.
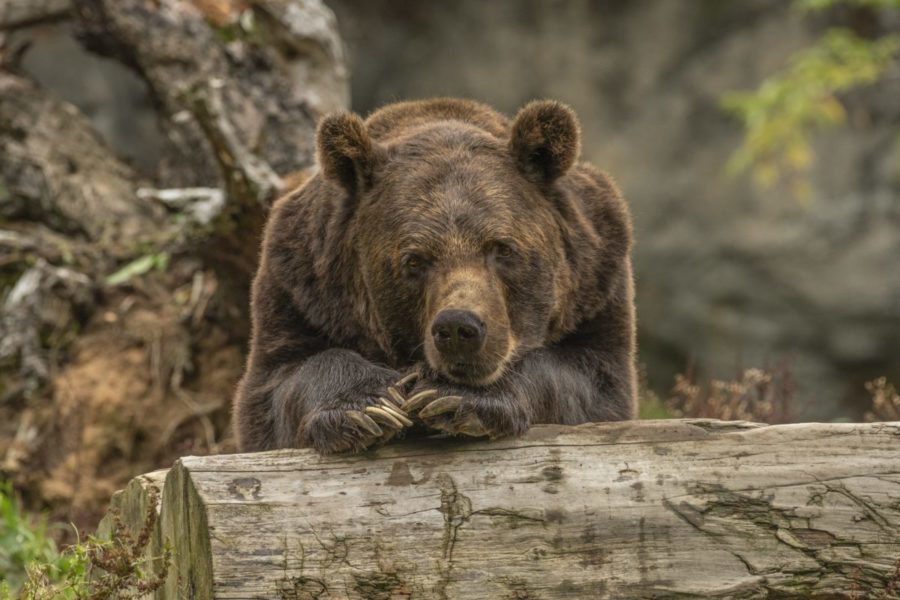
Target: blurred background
(141,142)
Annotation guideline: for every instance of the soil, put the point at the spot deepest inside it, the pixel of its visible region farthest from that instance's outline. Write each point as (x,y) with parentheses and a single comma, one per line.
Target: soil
(146,381)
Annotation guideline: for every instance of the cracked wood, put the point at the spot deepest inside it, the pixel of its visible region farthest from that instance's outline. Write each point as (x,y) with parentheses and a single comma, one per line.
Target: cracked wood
(681,508)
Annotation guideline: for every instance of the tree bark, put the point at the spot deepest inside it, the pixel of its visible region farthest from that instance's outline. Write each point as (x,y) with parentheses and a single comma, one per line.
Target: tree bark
(652,509)
(243,82)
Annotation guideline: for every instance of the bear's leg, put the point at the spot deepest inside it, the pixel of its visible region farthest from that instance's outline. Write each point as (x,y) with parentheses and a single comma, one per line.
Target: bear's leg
(337,401)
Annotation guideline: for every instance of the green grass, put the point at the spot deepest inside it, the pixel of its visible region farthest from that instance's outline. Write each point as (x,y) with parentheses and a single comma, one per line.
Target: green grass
(33,568)
(651,407)
(24,541)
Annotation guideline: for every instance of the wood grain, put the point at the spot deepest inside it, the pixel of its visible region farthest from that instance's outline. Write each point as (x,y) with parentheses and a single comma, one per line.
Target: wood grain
(651,509)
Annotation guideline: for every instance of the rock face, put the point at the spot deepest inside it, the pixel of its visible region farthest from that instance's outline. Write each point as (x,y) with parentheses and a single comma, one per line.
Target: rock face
(728,276)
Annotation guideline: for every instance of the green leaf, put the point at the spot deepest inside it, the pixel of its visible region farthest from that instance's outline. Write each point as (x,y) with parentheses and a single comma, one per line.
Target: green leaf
(782,115)
(139,266)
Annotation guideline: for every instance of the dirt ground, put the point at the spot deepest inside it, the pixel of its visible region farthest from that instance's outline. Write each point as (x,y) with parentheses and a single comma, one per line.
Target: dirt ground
(144,383)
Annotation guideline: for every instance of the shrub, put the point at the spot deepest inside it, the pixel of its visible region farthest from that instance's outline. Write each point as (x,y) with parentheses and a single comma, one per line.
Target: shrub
(761,395)
(32,568)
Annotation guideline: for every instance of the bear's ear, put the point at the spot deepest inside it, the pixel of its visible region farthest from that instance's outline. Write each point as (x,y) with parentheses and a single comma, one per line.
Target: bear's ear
(545,140)
(346,153)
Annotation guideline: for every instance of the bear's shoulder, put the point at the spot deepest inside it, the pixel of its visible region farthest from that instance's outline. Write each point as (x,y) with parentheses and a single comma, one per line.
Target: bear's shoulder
(397,119)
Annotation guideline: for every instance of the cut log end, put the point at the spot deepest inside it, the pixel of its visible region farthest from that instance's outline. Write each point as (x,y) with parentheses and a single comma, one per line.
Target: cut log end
(681,508)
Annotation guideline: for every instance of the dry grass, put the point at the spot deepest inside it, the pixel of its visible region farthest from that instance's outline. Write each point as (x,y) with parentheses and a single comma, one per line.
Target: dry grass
(885,401)
(760,395)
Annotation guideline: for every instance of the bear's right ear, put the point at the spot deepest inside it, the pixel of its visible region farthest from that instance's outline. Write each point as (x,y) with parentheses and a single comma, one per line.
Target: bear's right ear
(545,140)
(346,153)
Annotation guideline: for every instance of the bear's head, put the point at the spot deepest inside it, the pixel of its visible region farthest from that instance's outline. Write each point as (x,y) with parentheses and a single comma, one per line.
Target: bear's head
(458,234)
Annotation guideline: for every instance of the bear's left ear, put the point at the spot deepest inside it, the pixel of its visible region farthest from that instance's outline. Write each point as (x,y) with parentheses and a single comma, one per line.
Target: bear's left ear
(346,153)
(545,140)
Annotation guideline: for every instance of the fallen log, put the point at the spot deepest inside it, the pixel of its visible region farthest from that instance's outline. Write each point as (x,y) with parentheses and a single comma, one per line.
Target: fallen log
(649,509)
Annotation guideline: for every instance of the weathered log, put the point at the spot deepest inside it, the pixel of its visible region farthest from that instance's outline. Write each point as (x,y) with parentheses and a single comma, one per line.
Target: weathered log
(131,505)
(661,509)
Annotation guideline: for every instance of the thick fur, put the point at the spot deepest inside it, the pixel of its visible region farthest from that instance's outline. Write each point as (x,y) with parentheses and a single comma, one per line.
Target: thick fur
(431,205)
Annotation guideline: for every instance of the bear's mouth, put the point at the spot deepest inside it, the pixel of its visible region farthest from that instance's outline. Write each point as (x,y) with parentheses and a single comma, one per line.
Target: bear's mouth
(473,374)
(463,370)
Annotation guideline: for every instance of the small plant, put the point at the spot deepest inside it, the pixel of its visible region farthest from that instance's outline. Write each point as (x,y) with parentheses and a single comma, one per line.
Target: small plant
(649,404)
(761,395)
(885,401)
(97,569)
(23,541)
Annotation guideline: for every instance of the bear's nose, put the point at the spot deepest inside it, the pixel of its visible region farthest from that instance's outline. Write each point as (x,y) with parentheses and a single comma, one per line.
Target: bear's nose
(457,332)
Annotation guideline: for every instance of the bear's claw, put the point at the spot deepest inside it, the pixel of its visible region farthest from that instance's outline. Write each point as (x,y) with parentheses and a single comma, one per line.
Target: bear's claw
(441,406)
(365,423)
(400,414)
(418,400)
(376,423)
(407,379)
(470,425)
(444,414)
(387,417)
(396,396)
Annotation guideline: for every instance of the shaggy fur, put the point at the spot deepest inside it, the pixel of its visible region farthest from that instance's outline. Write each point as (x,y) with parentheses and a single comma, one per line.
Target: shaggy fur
(431,206)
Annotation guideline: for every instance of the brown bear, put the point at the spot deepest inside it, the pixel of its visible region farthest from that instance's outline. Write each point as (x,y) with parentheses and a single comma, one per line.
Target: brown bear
(448,270)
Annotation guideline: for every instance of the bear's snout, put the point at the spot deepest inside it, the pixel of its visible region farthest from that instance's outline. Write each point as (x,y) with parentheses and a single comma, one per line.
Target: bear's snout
(468,337)
(458,334)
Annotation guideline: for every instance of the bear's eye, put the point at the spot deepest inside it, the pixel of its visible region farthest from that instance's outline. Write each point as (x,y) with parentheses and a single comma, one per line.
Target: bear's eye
(413,264)
(502,250)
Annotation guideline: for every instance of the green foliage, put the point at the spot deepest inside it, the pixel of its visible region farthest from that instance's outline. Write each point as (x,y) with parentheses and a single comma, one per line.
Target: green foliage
(139,266)
(649,404)
(651,407)
(63,577)
(813,5)
(23,541)
(781,116)
(32,568)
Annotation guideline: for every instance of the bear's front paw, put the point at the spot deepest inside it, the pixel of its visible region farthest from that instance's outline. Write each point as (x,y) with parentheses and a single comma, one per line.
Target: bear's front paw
(470,412)
(353,429)
(357,425)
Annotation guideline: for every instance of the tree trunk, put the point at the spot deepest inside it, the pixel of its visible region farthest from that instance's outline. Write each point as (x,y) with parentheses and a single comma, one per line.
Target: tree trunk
(652,509)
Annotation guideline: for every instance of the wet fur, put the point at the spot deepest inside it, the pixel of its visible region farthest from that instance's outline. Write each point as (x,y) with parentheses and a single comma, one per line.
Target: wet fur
(335,320)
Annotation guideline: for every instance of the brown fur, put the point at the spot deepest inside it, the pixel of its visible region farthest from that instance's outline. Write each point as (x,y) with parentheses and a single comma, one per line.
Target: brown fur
(434,205)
